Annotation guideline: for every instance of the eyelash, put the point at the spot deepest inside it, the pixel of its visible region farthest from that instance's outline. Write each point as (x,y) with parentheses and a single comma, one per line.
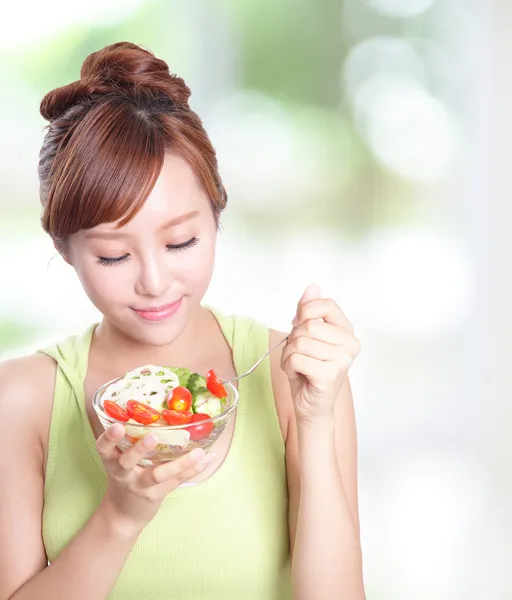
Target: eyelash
(108,262)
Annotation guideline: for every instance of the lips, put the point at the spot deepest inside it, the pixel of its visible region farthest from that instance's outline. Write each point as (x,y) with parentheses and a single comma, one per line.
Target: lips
(158,313)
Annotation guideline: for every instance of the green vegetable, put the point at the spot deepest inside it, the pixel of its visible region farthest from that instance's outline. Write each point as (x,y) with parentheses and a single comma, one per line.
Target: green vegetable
(183,375)
(204,402)
(196,382)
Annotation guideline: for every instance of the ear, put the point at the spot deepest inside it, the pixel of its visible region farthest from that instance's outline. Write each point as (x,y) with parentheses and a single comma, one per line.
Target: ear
(62,249)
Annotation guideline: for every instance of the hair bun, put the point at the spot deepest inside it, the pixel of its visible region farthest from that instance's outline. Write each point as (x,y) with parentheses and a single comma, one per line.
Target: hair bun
(121,68)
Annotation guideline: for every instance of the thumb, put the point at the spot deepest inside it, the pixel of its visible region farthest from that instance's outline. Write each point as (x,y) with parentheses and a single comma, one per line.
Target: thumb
(312,292)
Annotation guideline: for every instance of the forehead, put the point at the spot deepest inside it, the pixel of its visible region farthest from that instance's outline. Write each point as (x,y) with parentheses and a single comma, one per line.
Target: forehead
(177,183)
(176,193)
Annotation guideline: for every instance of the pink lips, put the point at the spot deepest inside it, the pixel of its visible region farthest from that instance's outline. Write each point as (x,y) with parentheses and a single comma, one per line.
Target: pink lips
(159,313)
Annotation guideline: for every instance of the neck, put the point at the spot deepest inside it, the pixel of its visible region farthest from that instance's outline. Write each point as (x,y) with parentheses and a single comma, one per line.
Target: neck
(181,352)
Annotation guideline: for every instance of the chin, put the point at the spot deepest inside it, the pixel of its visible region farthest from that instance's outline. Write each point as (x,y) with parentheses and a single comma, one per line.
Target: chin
(160,338)
(157,334)
(152,333)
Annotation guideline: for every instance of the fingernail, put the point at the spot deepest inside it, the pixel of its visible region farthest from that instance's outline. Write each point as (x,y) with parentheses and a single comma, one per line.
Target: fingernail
(150,440)
(197,454)
(210,458)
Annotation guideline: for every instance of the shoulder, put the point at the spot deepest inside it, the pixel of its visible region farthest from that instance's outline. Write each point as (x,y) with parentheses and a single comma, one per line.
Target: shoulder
(27,373)
(27,386)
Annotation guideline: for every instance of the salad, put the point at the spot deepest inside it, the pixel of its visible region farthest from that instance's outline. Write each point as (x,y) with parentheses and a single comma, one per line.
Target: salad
(169,396)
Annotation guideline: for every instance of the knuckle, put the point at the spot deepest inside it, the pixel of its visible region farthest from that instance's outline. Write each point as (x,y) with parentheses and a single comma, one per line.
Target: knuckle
(151,495)
(346,360)
(294,362)
(100,448)
(157,476)
(124,462)
(181,477)
(311,327)
(119,476)
(301,344)
(332,304)
(190,461)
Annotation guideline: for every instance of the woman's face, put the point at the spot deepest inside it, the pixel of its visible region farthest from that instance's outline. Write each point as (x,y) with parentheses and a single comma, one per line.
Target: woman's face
(149,276)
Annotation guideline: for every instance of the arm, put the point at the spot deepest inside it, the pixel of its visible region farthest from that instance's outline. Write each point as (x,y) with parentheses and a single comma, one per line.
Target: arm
(79,572)
(323,492)
(321,466)
(321,458)
(89,566)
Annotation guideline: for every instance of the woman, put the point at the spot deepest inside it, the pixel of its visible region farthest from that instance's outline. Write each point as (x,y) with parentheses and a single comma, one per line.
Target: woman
(131,197)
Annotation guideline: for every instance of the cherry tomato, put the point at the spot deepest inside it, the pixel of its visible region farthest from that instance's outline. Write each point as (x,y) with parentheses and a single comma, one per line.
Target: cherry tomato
(142,413)
(177,417)
(180,399)
(202,430)
(115,411)
(214,385)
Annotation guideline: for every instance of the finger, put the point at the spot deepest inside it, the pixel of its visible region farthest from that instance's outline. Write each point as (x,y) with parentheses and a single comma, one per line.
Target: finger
(306,346)
(130,458)
(311,368)
(319,330)
(315,370)
(106,444)
(323,308)
(312,292)
(178,471)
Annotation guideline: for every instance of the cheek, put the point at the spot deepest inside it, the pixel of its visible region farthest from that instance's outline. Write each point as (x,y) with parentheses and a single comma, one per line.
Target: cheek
(194,267)
(191,269)
(103,285)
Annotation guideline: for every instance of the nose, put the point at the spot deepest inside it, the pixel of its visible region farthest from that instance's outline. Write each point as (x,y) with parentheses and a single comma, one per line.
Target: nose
(153,280)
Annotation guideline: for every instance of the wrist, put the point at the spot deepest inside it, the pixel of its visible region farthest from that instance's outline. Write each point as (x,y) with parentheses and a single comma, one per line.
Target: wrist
(315,424)
(117,524)
(316,443)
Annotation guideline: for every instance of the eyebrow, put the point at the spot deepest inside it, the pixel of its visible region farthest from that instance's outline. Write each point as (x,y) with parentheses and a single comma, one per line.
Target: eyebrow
(112,235)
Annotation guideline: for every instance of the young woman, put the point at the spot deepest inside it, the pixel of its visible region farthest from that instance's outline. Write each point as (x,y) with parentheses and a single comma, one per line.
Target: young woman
(132,197)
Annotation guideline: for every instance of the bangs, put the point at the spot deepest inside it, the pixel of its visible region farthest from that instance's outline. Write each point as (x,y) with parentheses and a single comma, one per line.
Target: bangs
(104,171)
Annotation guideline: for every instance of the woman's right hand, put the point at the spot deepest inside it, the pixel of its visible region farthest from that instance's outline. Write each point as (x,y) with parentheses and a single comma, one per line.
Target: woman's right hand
(134,494)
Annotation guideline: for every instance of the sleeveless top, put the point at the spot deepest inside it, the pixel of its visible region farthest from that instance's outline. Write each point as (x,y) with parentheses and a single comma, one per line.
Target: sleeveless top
(225,538)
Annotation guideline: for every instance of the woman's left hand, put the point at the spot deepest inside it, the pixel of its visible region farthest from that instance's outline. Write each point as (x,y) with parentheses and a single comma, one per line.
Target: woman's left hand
(318,354)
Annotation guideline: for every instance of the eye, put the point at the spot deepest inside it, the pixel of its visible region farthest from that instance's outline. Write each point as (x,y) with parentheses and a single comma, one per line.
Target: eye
(113,261)
(102,260)
(177,247)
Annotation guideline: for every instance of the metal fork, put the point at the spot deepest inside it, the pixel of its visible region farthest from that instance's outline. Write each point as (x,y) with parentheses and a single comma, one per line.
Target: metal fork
(256,363)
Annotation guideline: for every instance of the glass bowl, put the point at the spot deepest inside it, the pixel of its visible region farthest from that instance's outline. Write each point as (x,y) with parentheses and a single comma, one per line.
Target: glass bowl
(173,441)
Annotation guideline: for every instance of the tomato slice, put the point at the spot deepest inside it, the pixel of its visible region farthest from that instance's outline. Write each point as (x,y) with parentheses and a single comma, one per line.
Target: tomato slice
(177,417)
(214,385)
(180,399)
(134,439)
(202,430)
(115,411)
(142,413)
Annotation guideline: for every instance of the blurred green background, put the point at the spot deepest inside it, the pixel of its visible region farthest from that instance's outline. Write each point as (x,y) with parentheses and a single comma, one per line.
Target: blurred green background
(349,139)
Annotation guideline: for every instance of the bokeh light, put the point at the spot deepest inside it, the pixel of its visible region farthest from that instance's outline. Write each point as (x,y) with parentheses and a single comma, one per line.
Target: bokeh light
(408,129)
(401,8)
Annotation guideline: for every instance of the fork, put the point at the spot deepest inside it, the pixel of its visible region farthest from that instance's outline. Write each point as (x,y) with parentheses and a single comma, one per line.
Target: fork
(256,363)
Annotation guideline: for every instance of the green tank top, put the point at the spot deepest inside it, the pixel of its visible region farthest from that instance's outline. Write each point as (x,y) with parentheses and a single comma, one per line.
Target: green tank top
(222,539)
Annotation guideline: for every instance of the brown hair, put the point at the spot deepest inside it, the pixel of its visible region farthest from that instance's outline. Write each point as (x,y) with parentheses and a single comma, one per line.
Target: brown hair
(107,138)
